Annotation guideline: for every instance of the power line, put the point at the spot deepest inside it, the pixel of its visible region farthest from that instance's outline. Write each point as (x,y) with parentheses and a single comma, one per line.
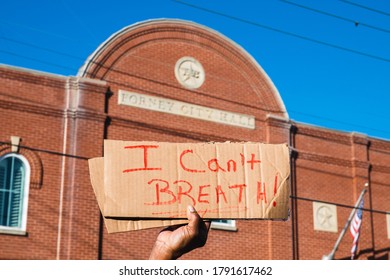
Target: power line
(365,7)
(338,121)
(130,75)
(355,22)
(41,48)
(340,205)
(283,32)
(36,60)
(255,24)
(291,196)
(83,60)
(112,69)
(80,21)
(45,151)
(44,32)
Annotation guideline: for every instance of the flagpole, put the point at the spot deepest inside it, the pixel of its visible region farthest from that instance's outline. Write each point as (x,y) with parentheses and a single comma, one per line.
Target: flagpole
(336,246)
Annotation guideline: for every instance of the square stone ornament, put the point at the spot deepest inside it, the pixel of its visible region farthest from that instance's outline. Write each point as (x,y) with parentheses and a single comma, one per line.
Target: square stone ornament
(324,217)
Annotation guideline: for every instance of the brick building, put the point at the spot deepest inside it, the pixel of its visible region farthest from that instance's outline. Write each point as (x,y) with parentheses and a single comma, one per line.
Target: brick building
(126,91)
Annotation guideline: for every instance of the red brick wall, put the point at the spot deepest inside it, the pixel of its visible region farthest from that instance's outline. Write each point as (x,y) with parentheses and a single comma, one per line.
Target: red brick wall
(333,167)
(31,107)
(63,219)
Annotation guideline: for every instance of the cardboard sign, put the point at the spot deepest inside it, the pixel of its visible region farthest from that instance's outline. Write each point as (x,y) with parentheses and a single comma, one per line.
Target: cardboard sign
(96,169)
(158,180)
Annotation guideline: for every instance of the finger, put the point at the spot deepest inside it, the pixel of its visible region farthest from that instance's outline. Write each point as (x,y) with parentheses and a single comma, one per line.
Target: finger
(207,224)
(193,217)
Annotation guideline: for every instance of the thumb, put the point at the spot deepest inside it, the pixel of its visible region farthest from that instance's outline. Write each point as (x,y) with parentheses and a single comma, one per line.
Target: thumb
(193,217)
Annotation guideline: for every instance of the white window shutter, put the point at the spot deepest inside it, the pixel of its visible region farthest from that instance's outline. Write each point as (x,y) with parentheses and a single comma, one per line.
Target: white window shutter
(3,181)
(16,201)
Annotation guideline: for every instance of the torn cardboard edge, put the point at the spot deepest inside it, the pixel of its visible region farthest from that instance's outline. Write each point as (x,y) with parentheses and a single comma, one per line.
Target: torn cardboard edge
(157,180)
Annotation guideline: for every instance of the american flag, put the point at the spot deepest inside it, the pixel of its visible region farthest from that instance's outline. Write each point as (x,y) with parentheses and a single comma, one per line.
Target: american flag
(355,228)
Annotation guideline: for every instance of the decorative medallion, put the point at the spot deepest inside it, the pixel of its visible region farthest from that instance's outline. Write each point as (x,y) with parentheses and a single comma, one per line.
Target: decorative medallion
(325,217)
(189,72)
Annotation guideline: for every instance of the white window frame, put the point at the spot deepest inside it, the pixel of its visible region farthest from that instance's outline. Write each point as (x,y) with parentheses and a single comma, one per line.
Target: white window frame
(230,225)
(22,229)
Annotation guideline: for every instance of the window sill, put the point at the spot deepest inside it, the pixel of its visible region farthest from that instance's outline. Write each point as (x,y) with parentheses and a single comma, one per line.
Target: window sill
(222,226)
(12,231)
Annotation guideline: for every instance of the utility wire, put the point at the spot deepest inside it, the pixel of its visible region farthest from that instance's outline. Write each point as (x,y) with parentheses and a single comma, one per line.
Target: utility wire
(339,205)
(128,74)
(93,62)
(45,151)
(2,21)
(36,60)
(247,22)
(41,48)
(283,32)
(339,122)
(292,197)
(355,22)
(81,59)
(365,7)
(77,18)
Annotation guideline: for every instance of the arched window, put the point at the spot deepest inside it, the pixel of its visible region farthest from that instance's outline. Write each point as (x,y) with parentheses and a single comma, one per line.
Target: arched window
(14,187)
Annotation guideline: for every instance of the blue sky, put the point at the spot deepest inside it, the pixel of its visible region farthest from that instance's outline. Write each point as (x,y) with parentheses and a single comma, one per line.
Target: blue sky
(330,71)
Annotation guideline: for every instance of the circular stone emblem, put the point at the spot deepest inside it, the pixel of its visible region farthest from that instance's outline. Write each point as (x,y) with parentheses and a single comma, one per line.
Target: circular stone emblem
(189,72)
(325,217)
